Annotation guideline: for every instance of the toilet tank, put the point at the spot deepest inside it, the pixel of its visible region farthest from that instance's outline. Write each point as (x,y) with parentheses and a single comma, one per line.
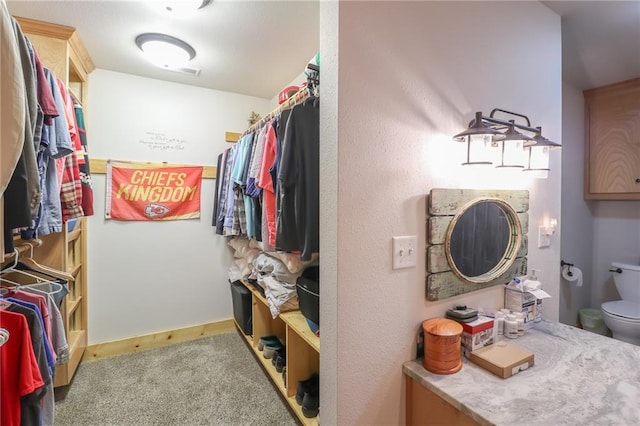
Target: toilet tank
(628,282)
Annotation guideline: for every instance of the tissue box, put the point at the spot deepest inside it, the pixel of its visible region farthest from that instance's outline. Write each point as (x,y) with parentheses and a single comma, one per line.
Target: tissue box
(517,300)
(477,334)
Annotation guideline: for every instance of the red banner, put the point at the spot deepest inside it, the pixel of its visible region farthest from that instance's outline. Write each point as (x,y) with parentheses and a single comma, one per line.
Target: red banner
(138,191)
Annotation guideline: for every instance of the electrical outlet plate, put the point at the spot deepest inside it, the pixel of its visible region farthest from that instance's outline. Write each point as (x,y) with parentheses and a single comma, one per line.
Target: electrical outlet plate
(405,252)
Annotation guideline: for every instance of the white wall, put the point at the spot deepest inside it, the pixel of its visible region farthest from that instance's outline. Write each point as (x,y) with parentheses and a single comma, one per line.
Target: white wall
(577,221)
(412,74)
(146,277)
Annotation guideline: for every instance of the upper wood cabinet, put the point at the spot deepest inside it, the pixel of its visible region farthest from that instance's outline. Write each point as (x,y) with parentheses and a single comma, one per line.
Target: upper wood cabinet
(61,50)
(612,133)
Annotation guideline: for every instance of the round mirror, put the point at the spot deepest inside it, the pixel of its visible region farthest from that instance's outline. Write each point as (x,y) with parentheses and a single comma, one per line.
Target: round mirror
(483,240)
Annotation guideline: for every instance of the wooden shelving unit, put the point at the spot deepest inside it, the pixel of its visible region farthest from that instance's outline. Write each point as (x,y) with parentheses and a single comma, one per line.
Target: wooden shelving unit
(303,348)
(61,50)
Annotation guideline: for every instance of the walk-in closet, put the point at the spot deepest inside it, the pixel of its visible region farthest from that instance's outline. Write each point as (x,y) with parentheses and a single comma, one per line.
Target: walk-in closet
(160,213)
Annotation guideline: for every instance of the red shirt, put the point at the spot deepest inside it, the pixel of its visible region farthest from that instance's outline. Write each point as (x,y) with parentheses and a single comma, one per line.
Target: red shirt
(18,367)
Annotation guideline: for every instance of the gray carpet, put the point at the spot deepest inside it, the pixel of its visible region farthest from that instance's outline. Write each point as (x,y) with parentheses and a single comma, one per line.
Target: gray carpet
(210,381)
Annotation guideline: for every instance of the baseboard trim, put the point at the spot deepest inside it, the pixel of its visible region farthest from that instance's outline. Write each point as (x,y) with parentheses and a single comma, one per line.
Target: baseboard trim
(155,340)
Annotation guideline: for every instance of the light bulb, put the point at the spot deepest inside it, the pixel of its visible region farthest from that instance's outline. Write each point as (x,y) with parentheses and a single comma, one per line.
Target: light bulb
(165,55)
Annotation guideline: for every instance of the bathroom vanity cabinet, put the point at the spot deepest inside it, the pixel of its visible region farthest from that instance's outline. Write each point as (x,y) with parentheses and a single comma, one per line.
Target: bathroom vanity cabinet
(578,378)
(612,137)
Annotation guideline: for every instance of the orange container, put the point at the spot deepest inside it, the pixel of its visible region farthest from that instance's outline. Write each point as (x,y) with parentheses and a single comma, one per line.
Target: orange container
(442,346)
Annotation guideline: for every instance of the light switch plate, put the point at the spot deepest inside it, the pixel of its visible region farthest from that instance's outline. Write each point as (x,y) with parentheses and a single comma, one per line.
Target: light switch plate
(405,252)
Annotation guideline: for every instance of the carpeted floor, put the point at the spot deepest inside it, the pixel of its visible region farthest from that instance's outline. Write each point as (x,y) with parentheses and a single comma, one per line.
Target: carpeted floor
(210,381)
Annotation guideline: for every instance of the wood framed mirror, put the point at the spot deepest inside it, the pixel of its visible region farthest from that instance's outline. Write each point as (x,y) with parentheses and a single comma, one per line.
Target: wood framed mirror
(475,239)
(482,240)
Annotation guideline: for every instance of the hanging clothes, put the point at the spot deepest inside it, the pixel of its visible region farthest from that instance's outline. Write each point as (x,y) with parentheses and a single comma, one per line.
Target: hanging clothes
(22,381)
(298,218)
(13,106)
(83,162)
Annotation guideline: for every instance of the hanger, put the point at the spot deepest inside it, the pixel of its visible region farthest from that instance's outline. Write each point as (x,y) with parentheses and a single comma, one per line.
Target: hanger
(34,266)
(4,336)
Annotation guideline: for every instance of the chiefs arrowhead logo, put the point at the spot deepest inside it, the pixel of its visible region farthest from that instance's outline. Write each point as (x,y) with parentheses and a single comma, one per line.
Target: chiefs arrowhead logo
(155,210)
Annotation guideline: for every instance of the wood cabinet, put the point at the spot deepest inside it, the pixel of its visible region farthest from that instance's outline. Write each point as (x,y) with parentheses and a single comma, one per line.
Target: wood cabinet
(612,133)
(423,407)
(302,346)
(61,50)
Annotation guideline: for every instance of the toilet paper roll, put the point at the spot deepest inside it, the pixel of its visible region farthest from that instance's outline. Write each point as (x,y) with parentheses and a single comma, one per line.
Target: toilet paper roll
(572,274)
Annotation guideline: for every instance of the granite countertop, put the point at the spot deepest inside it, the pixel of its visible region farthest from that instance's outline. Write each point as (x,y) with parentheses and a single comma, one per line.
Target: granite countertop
(579,378)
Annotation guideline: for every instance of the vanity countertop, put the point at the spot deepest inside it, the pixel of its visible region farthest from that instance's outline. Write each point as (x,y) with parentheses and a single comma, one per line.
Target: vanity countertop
(579,378)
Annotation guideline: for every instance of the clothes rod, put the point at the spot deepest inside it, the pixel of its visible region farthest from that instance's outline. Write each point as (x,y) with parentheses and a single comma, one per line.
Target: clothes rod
(299,96)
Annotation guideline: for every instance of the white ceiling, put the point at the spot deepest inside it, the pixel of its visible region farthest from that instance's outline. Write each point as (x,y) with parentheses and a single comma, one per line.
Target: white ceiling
(600,41)
(258,47)
(249,47)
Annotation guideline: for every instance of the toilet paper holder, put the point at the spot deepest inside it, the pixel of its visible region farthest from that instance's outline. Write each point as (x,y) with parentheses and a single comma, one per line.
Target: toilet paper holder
(563,263)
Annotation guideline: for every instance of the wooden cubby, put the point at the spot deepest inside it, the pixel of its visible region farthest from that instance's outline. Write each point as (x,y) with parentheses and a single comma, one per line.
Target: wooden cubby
(303,348)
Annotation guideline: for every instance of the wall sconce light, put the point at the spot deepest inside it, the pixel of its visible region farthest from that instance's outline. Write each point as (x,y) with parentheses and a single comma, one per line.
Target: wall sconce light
(489,138)
(546,231)
(164,50)
(538,153)
(480,147)
(512,144)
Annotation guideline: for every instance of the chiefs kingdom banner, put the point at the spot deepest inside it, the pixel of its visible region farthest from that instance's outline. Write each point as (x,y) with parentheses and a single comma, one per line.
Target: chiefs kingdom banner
(138,191)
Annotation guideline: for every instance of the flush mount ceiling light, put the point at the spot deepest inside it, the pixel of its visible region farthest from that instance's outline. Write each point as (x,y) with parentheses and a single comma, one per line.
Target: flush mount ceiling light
(164,50)
(516,149)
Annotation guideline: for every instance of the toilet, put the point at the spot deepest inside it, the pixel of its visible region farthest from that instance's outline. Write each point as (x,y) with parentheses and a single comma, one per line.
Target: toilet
(623,316)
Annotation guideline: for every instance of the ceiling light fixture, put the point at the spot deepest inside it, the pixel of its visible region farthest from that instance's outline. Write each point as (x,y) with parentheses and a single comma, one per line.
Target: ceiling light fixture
(185,6)
(164,50)
(517,150)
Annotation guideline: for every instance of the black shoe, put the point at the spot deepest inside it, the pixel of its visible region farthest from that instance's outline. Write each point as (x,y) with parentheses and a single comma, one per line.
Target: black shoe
(280,353)
(281,362)
(311,404)
(305,386)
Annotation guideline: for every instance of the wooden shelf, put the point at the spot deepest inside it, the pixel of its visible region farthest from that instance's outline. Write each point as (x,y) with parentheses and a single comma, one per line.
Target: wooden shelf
(73,235)
(298,323)
(303,348)
(72,305)
(61,51)
(298,410)
(74,271)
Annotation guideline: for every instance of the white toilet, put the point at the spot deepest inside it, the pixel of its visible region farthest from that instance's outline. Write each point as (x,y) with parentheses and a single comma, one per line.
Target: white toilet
(623,316)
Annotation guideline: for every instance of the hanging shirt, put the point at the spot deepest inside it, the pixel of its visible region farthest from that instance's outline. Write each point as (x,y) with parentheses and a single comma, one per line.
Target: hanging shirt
(264,182)
(222,187)
(19,370)
(31,408)
(58,144)
(229,202)
(38,339)
(83,163)
(31,97)
(13,106)
(70,188)
(298,217)
(256,162)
